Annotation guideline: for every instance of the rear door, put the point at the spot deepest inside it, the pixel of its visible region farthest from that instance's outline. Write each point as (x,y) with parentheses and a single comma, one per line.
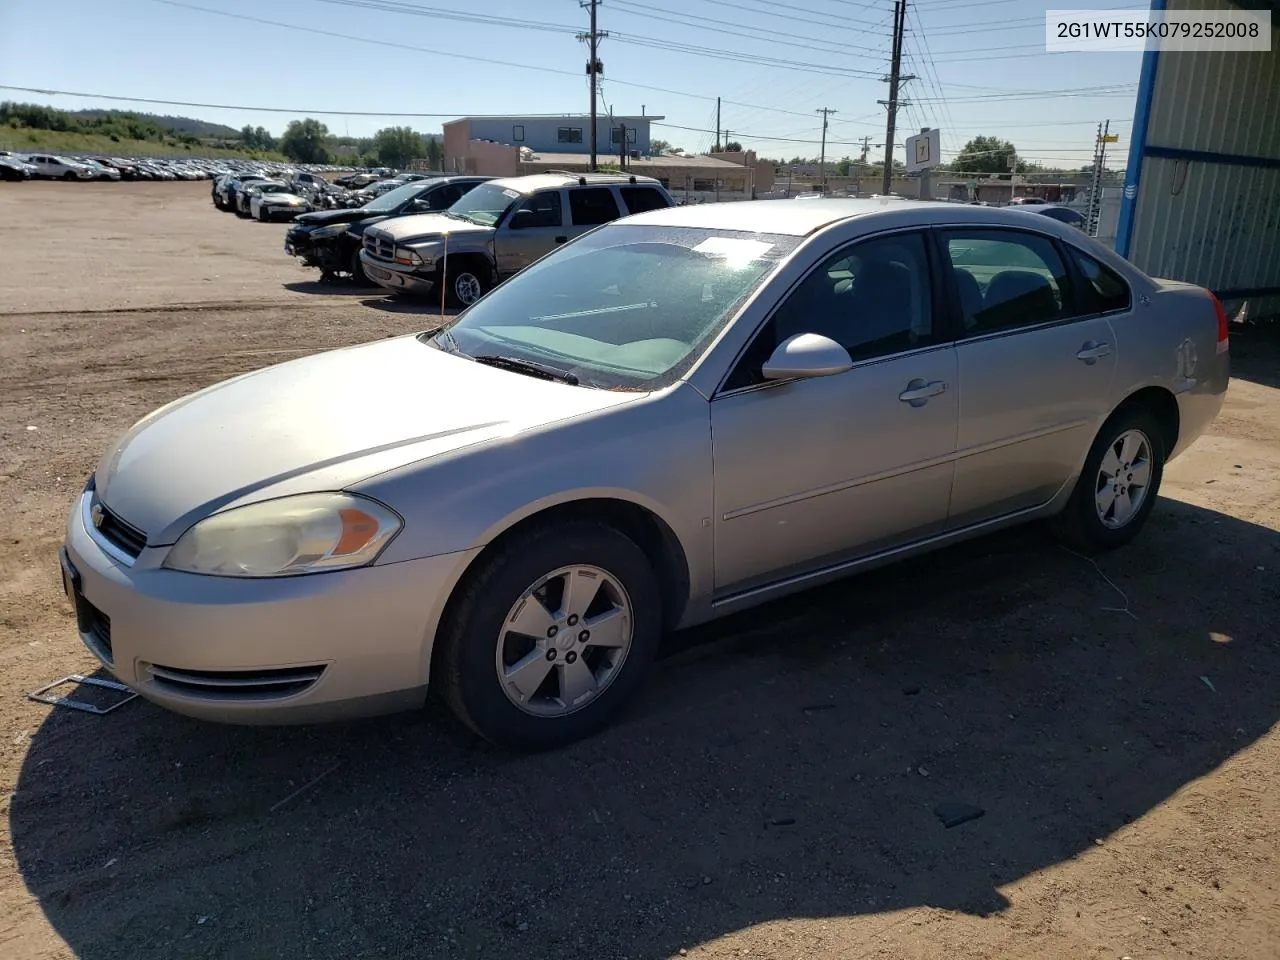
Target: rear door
(1036,360)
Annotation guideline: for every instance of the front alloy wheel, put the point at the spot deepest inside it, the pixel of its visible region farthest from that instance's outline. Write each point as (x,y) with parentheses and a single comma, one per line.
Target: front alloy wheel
(467,288)
(551,635)
(564,641)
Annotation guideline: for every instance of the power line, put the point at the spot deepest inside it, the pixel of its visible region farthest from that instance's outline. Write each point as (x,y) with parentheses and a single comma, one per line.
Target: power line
(718,26)
(773,9)
(458,56)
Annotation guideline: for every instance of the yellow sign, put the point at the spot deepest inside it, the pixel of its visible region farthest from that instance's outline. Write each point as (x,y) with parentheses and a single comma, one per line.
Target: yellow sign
(1109,138)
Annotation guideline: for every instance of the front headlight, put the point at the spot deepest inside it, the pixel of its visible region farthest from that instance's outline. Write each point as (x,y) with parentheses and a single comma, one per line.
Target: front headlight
(310,533)
(407,257)
(324,233)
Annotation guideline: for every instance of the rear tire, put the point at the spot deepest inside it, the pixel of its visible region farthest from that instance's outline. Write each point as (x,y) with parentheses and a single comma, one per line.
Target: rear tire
(1118,486)
(69,176)
(617,591)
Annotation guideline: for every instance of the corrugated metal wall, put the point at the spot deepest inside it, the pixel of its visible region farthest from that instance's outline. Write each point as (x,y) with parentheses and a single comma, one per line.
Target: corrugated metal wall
(1215,224)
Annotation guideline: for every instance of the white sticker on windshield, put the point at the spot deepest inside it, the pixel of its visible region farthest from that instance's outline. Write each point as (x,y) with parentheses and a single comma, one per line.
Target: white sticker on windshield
(733,248)
(511,193)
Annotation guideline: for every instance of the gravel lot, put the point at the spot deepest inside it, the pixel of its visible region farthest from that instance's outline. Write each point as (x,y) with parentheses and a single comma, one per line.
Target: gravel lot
(773,793)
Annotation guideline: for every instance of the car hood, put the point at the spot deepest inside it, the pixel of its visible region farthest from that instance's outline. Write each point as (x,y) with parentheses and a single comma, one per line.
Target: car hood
(324,218)
(322,422)
(283,198)
(421,224)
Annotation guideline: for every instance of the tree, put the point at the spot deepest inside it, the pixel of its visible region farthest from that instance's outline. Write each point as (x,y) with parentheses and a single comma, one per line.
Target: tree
(304,141)
(844,166)
(257,138)
(397,146)
(435,153)
(733,146)
(659,147)
(984,155)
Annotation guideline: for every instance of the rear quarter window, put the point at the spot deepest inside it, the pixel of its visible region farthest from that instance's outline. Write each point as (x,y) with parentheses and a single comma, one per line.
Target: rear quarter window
(640,199)
(1106,288)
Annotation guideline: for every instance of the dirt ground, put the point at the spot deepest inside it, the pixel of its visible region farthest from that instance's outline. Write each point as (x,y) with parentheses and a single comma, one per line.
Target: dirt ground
(772,794)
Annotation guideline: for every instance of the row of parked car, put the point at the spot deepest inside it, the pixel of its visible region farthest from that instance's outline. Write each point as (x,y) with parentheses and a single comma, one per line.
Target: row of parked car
(48,166)
(424,234)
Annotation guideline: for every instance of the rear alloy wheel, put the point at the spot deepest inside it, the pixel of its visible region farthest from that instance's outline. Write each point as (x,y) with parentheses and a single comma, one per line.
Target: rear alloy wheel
(552,636)
(1117,489)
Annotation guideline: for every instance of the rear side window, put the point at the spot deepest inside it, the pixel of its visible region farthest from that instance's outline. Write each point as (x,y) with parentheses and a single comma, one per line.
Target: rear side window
(640,199)
(1108,289)
(1006,279)
(590,206)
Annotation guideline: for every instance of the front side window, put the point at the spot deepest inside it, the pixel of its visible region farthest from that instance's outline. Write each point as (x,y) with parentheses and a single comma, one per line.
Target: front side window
(1109,290)
(540,210)
(569,135)
(873,298)
(624,307)
(590,206)
(1006,279)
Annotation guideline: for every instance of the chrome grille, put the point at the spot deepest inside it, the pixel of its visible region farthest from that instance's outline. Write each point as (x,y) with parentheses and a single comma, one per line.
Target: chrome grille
(117,531)
(379,245)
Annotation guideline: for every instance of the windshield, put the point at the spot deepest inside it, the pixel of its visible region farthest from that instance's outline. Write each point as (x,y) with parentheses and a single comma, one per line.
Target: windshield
(485,204)
(625,307)
(393,198)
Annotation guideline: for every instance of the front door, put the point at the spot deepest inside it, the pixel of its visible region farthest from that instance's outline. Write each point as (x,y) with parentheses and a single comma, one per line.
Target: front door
(812,472)
(1037,364)
(530,231)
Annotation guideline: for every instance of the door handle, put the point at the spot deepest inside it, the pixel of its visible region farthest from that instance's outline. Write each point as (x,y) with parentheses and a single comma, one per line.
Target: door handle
(919,391)
(562,239)
(1092,352)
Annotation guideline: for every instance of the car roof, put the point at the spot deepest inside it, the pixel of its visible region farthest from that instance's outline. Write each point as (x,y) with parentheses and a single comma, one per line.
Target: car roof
(801,219)
(553,181)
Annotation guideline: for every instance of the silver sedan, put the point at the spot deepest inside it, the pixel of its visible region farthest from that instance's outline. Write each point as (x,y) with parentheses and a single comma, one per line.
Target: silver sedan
(677,416)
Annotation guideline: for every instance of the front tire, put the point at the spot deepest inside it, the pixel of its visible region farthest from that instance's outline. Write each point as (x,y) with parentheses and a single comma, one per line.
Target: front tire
(357,270)
(1118,486)
(467,283)
(552,636)
(69,176)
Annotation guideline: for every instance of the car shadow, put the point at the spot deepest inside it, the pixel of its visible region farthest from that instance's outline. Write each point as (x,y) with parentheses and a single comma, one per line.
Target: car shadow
(1255,353)
(783,763)
(330,288)
(416,305)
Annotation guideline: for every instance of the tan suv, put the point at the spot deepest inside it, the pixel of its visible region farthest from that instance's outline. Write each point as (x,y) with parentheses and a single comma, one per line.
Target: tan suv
(498,229)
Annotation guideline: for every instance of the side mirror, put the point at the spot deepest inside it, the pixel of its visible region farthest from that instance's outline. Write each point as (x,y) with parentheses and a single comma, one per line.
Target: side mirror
(419,206)
(807,355)
(521,220)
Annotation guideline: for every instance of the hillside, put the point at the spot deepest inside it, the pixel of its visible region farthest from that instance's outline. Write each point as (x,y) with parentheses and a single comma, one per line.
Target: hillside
(197,128)
(22,140)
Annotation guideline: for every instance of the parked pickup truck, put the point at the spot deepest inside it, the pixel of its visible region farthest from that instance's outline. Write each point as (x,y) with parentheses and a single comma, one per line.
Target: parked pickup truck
(498,229)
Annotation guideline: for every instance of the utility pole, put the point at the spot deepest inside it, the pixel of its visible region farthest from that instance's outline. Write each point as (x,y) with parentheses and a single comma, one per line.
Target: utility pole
(622,147)
(822,160)
(594,67)
(895,80)
(716,148)
(1095,188)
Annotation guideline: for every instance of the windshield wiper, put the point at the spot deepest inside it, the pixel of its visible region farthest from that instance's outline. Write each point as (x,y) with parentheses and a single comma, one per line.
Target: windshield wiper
(528,367)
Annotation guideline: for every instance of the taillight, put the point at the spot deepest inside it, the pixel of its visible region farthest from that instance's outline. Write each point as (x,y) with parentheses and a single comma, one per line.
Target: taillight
(1224,331)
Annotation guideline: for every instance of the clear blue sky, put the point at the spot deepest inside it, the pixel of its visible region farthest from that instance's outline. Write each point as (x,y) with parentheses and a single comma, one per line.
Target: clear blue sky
(980,65)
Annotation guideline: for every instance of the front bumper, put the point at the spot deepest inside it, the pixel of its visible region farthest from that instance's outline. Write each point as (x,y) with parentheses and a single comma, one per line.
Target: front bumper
(272,651)
(393,276)
(285,213)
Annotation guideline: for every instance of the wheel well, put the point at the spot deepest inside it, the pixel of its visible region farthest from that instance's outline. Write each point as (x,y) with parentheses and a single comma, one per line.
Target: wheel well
(476,261)
(1162,405)
(649,532)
